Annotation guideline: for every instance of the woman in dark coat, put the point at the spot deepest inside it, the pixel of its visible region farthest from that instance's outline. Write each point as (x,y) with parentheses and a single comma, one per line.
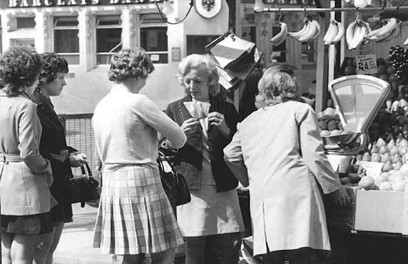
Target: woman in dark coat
(53,145)
(211,223)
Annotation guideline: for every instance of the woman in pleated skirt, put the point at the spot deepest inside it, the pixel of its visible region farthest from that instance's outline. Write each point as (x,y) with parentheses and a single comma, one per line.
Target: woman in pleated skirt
(135,216)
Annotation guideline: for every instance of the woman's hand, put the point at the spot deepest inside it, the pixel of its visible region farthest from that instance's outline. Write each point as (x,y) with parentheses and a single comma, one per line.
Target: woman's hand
(341,197)
(216,119)
(190,125)
(48,174)
(77,159)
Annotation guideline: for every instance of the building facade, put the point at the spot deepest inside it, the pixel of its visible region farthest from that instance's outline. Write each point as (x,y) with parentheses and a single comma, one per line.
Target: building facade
(88,32)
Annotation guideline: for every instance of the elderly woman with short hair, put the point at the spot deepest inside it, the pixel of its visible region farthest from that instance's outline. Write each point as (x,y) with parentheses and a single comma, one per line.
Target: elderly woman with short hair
(278,151)
(25,175)
(134,216)
(212,220)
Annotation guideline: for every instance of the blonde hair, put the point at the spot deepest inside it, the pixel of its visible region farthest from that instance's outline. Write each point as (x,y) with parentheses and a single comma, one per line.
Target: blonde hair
(205,62)
(276,85)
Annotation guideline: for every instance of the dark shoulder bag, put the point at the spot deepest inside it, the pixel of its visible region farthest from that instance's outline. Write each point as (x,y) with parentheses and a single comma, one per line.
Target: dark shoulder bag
(174,184)
(84,188)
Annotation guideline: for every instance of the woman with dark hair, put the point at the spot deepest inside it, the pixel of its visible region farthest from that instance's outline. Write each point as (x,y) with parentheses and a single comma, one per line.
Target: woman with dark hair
(278,151)
(53,144)
(135,216)
(25,175)
(211,223)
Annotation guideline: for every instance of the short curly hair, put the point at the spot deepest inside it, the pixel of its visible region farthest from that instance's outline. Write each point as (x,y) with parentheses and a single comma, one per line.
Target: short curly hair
(53,64)
(19,68)
(276,85)
(198,61)
(130,63)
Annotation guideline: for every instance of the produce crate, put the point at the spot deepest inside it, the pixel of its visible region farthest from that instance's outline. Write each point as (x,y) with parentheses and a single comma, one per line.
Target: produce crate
(381,211)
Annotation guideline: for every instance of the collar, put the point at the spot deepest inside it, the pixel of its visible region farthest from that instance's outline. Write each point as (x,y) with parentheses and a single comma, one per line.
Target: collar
(40,99)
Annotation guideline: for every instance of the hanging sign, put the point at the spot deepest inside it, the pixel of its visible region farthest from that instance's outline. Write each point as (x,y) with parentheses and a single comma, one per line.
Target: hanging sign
(366,64)
(289,2)
(59,3)
(208,8)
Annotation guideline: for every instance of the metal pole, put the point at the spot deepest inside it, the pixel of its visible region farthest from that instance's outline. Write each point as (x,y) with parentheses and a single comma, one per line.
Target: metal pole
(334,9)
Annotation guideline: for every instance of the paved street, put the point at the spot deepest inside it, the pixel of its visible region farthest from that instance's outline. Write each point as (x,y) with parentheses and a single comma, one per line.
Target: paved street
(75,246)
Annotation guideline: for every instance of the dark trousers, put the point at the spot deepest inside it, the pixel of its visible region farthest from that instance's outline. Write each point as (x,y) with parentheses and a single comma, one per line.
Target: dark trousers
(296,256)
(214,249)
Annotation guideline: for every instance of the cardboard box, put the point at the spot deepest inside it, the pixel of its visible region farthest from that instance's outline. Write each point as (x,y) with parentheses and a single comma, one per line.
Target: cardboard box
(381,211)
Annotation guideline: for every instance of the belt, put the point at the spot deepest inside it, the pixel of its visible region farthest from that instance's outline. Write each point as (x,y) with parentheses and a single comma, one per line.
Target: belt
(10,158)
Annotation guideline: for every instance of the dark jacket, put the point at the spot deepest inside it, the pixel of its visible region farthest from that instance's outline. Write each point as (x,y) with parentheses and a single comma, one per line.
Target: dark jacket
(53,142)
(188,160)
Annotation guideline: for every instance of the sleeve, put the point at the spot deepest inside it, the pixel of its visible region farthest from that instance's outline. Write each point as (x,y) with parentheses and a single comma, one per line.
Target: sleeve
(232,119)
(235,161)
(29,133)
(157,119)
(313,153)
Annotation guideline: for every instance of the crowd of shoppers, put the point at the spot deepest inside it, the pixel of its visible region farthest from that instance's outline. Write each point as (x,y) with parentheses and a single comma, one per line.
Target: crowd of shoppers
(275,150)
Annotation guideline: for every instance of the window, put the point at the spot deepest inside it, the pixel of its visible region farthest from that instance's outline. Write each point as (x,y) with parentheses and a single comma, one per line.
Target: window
(66,41)
(196,44)
(22,42)
(308,52)
(279,52)
(247,21)
(108,37)
(153,37)
(25,22)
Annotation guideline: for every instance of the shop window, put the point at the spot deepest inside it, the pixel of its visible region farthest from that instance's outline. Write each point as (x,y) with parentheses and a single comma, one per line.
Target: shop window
(153,37)
(196,44)
(25,22)
(22,42)
(108,37)
(247,21)
(66,41)
(279,52)
(308,53)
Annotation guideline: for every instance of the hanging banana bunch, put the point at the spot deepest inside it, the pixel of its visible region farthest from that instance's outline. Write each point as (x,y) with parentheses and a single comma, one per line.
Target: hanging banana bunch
(334,33)
(389,29)
(280,37)
(311,29)
(356,33)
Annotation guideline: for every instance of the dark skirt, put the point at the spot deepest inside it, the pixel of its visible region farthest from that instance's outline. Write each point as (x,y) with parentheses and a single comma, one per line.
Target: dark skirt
(27,224)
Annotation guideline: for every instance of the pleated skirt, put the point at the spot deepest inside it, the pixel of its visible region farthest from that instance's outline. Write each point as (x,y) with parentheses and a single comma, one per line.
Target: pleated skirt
(134,214)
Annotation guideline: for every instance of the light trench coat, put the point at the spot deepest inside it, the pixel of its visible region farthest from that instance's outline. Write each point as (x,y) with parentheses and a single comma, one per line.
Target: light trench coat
(24,184)
(282,150)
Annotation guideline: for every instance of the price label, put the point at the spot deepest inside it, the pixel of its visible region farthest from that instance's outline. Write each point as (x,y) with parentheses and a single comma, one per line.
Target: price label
(366,64)
(372,169)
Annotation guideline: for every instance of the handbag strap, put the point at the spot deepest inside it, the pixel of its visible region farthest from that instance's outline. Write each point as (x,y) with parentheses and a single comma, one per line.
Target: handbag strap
(86,170)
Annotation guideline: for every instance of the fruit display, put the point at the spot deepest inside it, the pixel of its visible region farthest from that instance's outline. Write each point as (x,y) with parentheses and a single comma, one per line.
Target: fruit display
(280,37)
(311,30)
(329,122)
(393,155)
(399,62)
(389,28)
(356,33)
(334,33)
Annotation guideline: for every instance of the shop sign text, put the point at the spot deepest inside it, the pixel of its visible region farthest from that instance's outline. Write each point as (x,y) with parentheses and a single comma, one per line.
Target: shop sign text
(289,2)
(48,3)
(366,64)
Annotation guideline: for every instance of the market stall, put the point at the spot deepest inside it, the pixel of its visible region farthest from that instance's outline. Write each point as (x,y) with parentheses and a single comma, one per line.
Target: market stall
(361,101)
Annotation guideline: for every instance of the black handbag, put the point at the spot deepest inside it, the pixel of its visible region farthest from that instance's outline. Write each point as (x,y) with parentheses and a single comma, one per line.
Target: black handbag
(84,188)
(174,184)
